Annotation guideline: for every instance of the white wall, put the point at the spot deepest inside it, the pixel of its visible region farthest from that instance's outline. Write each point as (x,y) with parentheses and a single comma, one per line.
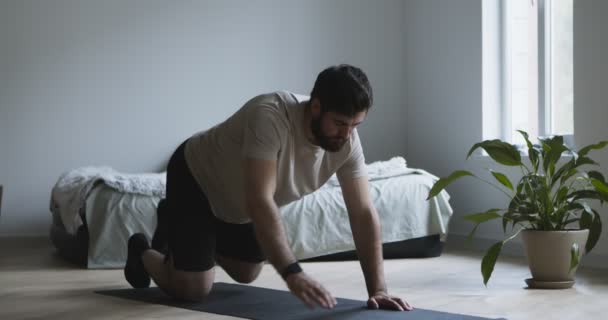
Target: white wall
(444,100)
(122,83)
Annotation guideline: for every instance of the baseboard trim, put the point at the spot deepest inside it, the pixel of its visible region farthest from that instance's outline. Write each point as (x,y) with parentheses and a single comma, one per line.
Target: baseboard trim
(514,249)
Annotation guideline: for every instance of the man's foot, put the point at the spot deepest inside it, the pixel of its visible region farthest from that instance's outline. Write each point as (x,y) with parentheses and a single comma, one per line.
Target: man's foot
(135,272)
(159,240)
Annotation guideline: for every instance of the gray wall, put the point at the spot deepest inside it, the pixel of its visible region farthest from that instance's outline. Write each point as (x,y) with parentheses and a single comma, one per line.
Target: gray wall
(444,100)
(122,83)
(443,91)
(590,84)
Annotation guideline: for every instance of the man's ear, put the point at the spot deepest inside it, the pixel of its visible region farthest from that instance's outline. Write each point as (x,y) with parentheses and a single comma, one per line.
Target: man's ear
(315,107)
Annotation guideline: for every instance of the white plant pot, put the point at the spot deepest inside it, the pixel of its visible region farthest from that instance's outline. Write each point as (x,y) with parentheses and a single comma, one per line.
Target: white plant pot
(548,254)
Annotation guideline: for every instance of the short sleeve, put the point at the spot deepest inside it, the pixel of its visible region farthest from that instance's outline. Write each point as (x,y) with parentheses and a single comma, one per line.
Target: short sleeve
(262,133)
(354,166)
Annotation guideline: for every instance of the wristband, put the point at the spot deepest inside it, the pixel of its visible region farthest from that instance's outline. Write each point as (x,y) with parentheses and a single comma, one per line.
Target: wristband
(291,269)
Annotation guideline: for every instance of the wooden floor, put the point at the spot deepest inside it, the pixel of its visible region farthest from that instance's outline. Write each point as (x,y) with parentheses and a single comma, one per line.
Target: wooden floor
(35,284)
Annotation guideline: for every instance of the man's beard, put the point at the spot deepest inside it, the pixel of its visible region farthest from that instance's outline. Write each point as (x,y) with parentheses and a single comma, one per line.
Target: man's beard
(331,144)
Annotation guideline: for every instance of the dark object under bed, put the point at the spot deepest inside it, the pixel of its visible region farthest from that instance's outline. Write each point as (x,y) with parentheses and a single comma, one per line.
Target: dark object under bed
(74,248)
(423,247)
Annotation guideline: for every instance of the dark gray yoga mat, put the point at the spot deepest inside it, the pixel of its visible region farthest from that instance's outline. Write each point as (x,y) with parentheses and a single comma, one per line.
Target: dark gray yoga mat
(256,303)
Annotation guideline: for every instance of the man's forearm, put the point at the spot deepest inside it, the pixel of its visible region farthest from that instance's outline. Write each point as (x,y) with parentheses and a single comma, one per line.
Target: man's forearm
(271,234)
(366,233)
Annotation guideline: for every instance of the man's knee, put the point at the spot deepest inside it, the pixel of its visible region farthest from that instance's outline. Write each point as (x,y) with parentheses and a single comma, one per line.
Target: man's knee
(240,271)
(247,276)
(191,286)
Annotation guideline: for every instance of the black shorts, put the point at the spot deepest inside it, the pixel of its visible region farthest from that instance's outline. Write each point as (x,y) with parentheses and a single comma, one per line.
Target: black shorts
(195,235)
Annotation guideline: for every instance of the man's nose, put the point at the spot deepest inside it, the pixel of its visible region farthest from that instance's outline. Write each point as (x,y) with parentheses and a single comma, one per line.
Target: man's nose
(345,132)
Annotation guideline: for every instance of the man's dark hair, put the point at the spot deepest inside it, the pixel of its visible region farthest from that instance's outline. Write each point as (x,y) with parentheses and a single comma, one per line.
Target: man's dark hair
(343,89)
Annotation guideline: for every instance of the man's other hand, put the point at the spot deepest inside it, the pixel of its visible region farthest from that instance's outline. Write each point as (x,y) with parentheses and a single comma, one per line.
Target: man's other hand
(382,300)
(310,291)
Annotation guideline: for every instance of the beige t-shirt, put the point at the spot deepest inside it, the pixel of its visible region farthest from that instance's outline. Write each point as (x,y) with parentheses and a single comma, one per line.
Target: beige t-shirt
(269,126)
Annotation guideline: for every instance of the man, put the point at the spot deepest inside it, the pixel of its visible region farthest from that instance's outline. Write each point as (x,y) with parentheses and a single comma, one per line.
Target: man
(225,185)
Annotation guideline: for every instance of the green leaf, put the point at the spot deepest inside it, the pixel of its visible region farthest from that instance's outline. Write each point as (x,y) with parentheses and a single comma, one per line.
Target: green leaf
(525,217)
(567,222)
(584,160)
(545,197)
(502,152)
(575,206)
(596,175)
(586,220)
(561,195)
(568,175)
(502,179)
(475,147)
(489,261)
(590,147)
(594,232)
(444,182)
(471,234)
(599,186)
(574,253)
(564,169)
(553,149)
(551,170)
(526,137)
(483,216)
(505,222)
(532,153)
(585,194)
(528,191)
(558,217)
(591,220)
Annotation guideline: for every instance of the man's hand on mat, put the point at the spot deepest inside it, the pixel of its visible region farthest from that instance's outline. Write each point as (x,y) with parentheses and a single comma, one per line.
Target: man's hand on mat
(382,300)
(310,291)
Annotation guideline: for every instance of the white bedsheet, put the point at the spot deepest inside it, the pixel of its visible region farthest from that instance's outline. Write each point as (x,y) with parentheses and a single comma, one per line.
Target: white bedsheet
(112,217)
(316,224)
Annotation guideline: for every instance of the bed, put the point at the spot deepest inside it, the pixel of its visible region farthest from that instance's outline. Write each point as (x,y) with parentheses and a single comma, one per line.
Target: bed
(317,225)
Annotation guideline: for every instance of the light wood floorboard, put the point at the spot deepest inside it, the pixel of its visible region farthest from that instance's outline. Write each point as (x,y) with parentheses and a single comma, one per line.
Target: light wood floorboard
(36,284)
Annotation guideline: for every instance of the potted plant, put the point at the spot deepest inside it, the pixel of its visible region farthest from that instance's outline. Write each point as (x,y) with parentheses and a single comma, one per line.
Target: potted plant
(548,205)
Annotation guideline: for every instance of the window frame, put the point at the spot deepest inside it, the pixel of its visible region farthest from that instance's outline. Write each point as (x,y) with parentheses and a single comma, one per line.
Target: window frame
(544,85)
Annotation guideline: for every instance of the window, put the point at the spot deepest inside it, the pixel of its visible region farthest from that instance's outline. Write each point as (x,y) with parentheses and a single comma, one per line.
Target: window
(535,72)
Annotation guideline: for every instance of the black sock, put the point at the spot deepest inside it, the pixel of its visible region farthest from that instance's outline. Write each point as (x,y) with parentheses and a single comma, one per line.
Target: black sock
(135,272)
(159,241)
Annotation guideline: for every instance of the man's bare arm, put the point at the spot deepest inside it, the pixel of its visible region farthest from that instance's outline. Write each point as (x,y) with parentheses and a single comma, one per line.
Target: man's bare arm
(365,227)
(366,232)
(260,185)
